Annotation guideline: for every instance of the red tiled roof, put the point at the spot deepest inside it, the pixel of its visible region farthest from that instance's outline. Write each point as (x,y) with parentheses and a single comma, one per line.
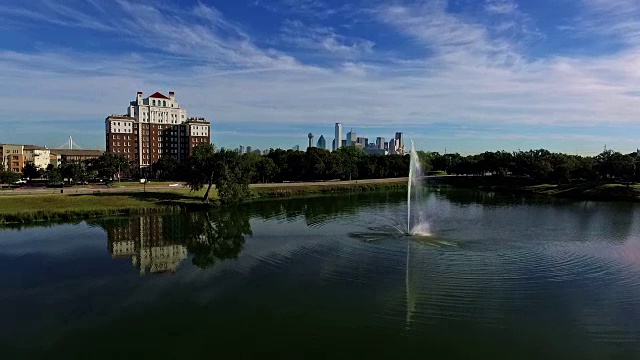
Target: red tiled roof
(158,95)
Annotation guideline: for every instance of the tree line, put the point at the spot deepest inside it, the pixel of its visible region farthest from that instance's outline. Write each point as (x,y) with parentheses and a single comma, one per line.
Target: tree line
(231,173)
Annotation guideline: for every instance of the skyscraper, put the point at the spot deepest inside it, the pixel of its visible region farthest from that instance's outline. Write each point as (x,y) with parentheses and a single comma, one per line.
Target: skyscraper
(352,139)
(380,142)
(322,143)
(399,143)
(310,136)
(392,146)
(338,134)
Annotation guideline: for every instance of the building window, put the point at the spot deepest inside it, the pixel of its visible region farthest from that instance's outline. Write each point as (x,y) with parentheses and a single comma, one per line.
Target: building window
(154,103)
(164,103)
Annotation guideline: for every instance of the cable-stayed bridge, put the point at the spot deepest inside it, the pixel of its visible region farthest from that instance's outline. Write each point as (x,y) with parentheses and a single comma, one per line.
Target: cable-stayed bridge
(69,144)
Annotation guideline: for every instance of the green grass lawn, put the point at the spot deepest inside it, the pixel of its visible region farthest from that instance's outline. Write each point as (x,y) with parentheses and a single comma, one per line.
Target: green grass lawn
(44,207)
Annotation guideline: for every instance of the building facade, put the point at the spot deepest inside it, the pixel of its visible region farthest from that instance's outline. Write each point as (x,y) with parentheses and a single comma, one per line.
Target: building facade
(153,127)
(13,157)
(37,155)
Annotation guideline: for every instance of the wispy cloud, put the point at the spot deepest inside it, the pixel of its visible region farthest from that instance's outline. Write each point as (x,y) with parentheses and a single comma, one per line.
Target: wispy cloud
(323,39)
(457,69)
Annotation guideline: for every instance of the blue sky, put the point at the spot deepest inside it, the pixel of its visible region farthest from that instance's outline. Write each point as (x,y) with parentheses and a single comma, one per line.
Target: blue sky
(465,75)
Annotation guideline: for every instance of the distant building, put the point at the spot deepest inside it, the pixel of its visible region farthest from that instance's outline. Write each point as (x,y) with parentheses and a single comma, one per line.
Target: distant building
(13,157)
(310,136)
(338,136)
(380,144)
(153,127)
(344,143)
(322,143)
(399,143)
(248,149)
(241,149)
(39,156)
(392,146)
(352,138)
(296,148)
(75,155)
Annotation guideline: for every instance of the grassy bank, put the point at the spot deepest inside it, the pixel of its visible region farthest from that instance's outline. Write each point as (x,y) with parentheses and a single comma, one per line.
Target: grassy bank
(54,207)
(575,190)
(21,209)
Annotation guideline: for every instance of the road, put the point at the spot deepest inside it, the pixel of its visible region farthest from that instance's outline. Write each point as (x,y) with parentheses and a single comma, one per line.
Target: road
(90,189)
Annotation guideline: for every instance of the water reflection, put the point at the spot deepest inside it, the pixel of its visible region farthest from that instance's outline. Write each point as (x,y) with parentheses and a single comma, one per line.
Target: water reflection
(159,243)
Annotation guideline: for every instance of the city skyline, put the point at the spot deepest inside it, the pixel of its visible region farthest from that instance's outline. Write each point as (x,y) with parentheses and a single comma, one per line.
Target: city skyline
(466,75)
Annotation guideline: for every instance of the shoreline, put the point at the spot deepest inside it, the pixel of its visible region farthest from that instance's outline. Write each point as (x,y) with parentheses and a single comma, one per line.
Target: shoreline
(576,190)
(48,205)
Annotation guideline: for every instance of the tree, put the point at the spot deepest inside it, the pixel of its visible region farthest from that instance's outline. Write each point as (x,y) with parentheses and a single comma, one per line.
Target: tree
(266,169)
(112,166)
(74,172)
(8,177)
(30,171)
(202,168)
(165,168)
(233,176)
(351,157)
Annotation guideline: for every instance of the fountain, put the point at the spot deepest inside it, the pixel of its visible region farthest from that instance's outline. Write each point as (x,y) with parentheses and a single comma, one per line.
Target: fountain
(414,194)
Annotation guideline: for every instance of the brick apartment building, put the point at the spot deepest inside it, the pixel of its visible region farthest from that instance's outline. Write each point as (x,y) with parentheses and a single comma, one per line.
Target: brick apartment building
(153,127)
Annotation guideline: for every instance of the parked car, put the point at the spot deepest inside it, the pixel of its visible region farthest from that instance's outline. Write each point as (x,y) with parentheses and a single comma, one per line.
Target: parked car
(55,184)
(21,181)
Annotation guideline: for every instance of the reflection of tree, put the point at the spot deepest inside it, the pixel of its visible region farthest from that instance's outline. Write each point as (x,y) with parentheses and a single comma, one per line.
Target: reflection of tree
(323,209)
(218,235)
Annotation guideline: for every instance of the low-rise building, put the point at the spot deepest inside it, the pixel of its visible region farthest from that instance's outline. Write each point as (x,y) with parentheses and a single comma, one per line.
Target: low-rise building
(13,157)
(39,156)
(73,155)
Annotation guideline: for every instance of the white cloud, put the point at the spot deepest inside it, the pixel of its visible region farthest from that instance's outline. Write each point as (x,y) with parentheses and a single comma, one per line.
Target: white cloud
(472,75)
(502,7)
(324,40)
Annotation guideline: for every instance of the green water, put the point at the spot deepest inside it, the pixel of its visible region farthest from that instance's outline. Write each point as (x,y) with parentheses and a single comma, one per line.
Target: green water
(332,277)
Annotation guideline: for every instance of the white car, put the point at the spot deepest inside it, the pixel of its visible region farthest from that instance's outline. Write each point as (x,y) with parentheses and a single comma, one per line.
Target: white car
(21,181)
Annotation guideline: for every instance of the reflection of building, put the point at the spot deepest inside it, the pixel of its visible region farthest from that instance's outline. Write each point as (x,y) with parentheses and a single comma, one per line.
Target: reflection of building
(150,244)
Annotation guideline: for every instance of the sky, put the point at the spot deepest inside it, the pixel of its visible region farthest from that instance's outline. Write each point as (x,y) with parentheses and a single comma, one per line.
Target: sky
(463,76)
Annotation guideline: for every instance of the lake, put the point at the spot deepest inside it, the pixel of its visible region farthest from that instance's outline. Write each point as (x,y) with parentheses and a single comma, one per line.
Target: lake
(330,277)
